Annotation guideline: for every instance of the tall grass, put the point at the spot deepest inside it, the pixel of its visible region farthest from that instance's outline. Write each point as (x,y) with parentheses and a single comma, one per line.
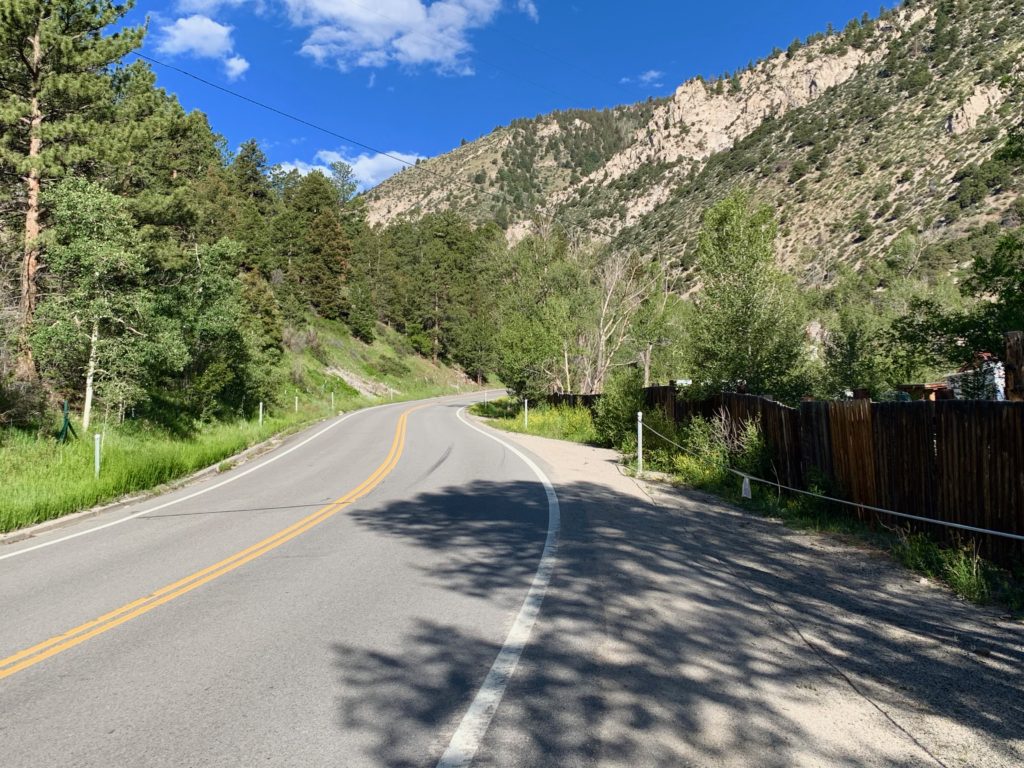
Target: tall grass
(558,422)
(41,479)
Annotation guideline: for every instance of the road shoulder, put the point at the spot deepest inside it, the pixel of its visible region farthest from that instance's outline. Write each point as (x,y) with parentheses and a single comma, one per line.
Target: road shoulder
(701,634)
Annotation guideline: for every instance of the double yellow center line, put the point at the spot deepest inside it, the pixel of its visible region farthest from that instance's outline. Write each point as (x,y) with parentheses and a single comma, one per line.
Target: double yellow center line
(44,650)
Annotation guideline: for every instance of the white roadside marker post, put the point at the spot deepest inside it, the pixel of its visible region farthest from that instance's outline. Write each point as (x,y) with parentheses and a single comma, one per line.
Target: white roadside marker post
(261,413)
(296,403)
(639,443)
(332,399)
(96,455)
(526,413)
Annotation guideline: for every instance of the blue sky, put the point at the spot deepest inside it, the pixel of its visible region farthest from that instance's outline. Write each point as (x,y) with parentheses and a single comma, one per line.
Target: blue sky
(414,77)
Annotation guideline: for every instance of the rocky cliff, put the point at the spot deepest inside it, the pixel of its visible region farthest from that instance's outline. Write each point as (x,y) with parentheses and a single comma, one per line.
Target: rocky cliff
(854,137)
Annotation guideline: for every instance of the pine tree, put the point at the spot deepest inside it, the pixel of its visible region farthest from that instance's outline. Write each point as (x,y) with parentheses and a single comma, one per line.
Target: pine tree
(344,180)
(54,69)
(361,315)
(155,155)
(249,170)
(313,246)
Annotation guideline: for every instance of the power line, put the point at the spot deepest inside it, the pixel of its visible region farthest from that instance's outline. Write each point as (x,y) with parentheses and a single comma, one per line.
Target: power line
(275,110)
(317,127)
(477,188)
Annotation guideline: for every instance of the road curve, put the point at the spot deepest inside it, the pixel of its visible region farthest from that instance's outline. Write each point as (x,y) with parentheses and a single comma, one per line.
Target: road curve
(250,622)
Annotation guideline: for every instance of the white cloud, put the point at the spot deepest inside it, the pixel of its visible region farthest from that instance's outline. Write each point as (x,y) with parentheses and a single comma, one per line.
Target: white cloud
(371,169)
(235,67)
(652,77)
(196,35)
(368,169)
(204,38)
(304,168)
(208,6)
(374,33)
(529,8)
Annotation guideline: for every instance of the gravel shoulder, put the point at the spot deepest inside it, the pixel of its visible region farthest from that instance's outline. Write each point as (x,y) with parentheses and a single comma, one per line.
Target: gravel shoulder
(680,630)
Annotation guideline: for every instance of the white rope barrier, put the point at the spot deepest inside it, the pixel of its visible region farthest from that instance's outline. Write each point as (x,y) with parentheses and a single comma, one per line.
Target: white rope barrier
(880,510)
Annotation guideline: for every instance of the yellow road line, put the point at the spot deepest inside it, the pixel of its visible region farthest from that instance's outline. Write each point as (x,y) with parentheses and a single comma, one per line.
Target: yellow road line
(44,650)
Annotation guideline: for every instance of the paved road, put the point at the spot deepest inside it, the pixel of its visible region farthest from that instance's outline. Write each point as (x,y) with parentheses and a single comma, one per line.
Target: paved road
(268,658)
(265,622)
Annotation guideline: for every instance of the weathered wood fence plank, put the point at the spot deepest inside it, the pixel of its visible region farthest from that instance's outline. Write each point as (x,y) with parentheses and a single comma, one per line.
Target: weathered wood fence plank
(952,460)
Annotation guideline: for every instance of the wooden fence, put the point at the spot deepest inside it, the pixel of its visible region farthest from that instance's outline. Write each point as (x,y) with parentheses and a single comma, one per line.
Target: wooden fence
(959,461)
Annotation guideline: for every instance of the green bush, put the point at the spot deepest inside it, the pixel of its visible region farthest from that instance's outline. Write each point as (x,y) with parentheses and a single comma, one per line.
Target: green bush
(615,417)
(389,366)
(713,446)
(560,422)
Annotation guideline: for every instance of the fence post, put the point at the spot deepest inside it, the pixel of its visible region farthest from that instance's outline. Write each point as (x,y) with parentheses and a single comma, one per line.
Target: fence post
(526,413)
(639,443)
(96,455)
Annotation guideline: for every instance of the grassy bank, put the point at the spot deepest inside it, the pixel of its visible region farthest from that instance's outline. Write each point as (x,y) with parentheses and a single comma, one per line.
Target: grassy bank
(41,479)
(557,422)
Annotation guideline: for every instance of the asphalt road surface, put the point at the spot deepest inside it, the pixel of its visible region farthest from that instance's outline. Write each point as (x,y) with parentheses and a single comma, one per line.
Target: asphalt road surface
(361,596)
(252,623)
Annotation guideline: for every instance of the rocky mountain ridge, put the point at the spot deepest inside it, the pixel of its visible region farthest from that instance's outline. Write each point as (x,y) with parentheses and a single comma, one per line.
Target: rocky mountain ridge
(855,137)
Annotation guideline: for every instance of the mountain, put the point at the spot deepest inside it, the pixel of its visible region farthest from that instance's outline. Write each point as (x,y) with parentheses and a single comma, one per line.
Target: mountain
(892,125)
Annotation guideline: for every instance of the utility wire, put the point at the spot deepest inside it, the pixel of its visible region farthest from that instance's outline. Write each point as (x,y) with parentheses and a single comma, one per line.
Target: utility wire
(282,113)
(501,198)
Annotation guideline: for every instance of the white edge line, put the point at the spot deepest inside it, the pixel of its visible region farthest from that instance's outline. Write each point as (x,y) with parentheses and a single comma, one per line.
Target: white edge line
(200,492)
(467,737)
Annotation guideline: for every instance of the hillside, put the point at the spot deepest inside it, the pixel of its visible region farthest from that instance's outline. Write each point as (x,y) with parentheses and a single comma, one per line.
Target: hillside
(323,371)
(855,136)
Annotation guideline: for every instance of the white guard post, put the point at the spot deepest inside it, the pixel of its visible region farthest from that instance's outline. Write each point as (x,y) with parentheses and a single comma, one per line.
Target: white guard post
(639,443)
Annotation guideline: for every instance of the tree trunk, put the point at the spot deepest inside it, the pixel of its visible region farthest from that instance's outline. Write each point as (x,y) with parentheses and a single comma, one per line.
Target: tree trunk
(90,374)
(1014,366)
(645,357)
(436,345)
(25,369)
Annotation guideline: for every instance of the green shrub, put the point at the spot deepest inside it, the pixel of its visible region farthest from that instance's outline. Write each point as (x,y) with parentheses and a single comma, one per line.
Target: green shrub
(389,366)
(560,422)
(615,417)
(713,446)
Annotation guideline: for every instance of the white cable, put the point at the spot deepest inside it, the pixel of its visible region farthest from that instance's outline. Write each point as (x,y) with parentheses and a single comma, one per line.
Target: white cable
(880,510)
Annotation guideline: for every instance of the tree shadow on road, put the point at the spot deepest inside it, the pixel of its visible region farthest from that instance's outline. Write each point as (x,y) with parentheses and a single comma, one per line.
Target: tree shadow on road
(686,636)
